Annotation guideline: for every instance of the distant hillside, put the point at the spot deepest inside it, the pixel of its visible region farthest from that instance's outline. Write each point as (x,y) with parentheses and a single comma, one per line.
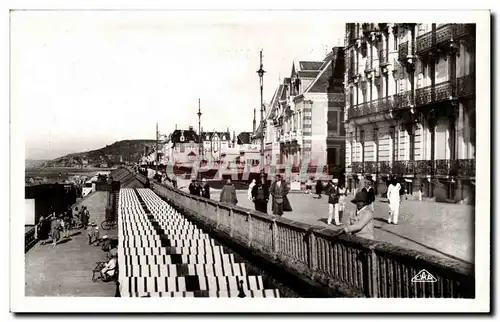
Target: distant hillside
(29,164)
(116,153)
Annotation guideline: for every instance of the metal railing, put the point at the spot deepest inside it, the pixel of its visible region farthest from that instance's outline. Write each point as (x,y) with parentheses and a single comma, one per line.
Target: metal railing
(441,35)
(459,168)
(352,266)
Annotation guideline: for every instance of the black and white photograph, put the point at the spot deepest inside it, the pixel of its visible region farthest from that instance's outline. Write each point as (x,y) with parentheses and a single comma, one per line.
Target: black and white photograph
(258,157)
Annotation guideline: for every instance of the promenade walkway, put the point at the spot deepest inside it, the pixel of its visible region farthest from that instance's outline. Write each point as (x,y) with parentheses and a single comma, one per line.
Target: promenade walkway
(66,270)
(436,228)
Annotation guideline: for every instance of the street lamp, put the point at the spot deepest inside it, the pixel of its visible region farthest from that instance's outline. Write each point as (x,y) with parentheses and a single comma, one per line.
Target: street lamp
(261,72)
(200,147)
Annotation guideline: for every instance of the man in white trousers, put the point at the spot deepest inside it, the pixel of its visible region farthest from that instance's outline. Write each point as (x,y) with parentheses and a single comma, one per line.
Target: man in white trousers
(333,202)
(394,201)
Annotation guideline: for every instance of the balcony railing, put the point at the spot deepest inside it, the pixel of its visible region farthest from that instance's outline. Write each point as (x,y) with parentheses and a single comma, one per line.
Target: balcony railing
(368,65)
(404,100)
(442,35)
(423,167)
(461,168)
(466,167)
(376,106)
(403,167)
(382,56)
(357,167)
(384,167)
(403,50)
(370,167)
(429,94)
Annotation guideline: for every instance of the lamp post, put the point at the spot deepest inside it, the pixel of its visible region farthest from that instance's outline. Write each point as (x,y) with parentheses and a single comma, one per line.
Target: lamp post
(156,152)
(261,72)
(200,147)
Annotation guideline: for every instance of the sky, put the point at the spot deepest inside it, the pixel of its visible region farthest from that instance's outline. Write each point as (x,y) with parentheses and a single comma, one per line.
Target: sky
(85,79)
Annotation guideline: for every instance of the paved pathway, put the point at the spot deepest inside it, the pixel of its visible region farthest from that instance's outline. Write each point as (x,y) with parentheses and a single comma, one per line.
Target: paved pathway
(437,228)
(66,270)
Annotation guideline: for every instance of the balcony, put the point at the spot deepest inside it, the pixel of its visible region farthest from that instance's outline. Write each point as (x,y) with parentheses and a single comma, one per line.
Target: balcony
(403,51)
(466,167)
(357,167)
(404,100)
(466,86)
(441,36)
(423,167)
(405,167)
(376,106)
(383,59)
(445,167)
(384,167)
(461,168)
(429,95)
(368,65)
(370,167)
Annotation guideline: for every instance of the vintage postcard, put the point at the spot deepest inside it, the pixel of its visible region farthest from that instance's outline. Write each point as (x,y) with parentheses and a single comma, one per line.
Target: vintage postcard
(300,161)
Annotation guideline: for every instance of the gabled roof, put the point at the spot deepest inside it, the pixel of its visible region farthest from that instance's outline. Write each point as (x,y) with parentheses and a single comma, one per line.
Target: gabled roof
(219,134)
(189,135)
(244,137)
(328,78)
(310,65)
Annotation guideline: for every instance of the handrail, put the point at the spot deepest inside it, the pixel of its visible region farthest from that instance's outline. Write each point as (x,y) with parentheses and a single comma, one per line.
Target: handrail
(350,265)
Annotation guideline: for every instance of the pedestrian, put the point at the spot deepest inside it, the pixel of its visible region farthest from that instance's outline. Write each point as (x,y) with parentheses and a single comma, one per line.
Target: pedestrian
(361,220)
(260,196)
(370,192)
(279,190)
(43,228)
(250,188)
(333,202)
(393,195)
(228,193)
(90,232)
(309,184)
(193,188)
(205,189)
(67,224)
(342,197)
(86,216)
(55,230)
(319,188)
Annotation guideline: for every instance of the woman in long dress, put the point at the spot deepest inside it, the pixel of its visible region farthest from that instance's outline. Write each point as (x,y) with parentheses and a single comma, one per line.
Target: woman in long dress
(394,201)
(250,187)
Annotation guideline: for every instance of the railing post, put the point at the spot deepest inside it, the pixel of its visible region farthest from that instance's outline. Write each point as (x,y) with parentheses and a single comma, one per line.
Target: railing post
(274,231)
(231,228)
(217,217)
(313,258)
(373,273)
(250,229)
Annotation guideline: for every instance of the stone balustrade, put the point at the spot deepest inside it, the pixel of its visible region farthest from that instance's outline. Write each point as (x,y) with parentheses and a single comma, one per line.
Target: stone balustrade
(344,264)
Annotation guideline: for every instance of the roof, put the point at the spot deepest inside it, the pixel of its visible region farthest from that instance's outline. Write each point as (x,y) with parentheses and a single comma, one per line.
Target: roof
(189,135)
(310,65)
(244,137)
(219,134)
(308,73)
(331,78)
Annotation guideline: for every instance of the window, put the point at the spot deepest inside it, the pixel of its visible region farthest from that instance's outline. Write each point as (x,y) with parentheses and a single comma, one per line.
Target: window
(333,121)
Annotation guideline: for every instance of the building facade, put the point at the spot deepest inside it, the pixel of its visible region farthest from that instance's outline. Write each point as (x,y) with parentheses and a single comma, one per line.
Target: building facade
(305,116)
(410,107)
(215,143)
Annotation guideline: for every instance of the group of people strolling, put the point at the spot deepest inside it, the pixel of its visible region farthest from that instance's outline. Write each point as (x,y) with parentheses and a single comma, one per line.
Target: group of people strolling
(200,189)
(259,193)
(56,226)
